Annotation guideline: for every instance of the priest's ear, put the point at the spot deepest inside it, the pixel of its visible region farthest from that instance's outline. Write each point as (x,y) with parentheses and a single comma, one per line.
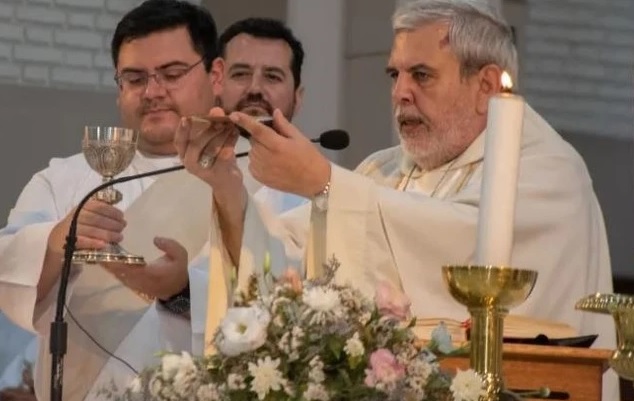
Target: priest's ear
(217,75)
(489,83)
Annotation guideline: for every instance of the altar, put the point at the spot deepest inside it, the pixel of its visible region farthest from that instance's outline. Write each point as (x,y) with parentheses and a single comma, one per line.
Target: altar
(574,374)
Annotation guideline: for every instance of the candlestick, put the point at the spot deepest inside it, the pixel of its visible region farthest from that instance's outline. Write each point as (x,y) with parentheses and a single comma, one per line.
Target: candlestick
(499,182)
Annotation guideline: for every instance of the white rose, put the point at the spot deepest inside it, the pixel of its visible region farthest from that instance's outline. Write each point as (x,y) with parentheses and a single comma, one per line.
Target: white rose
(136,386)
(170,365)
(243,330)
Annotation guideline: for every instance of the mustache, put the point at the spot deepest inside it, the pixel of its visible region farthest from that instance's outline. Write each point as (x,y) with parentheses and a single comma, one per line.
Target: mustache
(256,100)
(402,116)
(149,107)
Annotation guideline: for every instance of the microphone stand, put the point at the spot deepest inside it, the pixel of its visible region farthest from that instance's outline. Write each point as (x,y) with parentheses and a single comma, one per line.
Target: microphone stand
(59,331)
(59,328)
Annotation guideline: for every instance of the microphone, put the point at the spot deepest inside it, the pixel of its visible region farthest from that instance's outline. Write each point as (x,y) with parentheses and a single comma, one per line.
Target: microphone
(334,139)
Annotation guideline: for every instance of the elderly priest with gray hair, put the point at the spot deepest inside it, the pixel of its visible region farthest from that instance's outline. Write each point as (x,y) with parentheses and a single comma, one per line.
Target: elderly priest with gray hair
(408,210)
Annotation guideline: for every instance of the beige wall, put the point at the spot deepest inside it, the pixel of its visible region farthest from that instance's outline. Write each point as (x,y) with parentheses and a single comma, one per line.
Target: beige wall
(40,123)
(226,12)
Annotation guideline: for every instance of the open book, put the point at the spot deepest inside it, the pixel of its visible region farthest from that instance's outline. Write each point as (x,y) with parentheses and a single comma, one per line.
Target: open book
(515,326)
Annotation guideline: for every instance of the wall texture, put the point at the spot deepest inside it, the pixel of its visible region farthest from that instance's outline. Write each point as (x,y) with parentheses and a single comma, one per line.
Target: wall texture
(578,64)
(60,43)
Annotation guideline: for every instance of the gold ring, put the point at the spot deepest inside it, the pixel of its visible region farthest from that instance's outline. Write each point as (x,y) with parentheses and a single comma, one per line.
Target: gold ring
(205,161)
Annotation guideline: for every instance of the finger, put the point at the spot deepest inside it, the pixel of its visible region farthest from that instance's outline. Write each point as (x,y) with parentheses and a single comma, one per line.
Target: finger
(89,243)
(99,234)
(89,218)
(181,136)
(124,270)
(217,112)
(259,132)
(209,141)
(172,249)
(283,126)
(224,151)
(104,209)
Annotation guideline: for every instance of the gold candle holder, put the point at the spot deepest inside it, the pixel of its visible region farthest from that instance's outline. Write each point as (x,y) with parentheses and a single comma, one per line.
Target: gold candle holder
(621,307)
(488,292)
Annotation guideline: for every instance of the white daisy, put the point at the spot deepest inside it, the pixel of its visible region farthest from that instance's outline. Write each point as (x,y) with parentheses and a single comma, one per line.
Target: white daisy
(467,385)
(266,376)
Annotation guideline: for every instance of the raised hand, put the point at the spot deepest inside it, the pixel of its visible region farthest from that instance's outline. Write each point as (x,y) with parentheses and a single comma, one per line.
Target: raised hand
(283,158)
(207,151)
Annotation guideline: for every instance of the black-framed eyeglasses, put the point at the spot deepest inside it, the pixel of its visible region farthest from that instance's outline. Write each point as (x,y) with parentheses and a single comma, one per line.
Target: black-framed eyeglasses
(168,77)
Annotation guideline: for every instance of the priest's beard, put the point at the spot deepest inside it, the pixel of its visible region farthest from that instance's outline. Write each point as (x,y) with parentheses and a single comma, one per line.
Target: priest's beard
(288,113)
(430,145)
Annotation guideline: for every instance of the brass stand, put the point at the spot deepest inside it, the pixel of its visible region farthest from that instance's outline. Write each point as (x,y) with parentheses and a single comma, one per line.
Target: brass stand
(488,292)
(621,307)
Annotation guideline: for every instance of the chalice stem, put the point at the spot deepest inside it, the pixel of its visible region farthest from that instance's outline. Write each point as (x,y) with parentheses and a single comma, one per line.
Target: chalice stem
(487,327)
(109,195)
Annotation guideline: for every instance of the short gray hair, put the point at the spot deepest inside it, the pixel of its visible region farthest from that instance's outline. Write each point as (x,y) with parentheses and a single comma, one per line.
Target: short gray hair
(478,35)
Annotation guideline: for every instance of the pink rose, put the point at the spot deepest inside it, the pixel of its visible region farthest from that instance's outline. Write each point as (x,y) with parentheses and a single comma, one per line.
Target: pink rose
(384,368)
(291,278)
(391,302)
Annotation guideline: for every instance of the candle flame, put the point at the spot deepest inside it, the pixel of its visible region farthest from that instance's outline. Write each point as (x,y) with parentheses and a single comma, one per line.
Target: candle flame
(507,82)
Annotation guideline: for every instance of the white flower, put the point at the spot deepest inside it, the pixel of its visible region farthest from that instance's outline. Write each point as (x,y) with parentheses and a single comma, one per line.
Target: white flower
(365,318)
(266,376)
(278,321)
(186,375)
(170,364)
(322,299)
(316,392)
(136,385)
(235,382)
(207,392)
(322,304)
(156,385)
(243,330)
(467,385)
(421,369)
(354,347)
(316,373)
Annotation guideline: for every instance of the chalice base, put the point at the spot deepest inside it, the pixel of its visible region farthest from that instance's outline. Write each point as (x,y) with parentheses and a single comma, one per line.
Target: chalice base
(113,253)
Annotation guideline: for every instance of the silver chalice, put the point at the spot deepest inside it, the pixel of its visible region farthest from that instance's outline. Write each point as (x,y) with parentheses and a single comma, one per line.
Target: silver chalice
(108,151)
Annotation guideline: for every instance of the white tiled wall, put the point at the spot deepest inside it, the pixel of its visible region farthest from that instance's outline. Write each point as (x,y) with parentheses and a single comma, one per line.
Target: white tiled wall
(59,43)
(579,64)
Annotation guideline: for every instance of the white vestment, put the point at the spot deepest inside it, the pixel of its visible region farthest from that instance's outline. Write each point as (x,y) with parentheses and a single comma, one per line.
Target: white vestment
(116,317)
(387,220)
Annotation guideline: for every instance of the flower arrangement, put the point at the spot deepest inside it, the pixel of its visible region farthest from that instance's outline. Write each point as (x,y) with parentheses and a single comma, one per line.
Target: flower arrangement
(311,340)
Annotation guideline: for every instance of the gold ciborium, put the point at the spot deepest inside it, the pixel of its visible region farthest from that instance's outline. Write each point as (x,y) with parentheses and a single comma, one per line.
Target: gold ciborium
(108,151)
(621,307)
(488,292)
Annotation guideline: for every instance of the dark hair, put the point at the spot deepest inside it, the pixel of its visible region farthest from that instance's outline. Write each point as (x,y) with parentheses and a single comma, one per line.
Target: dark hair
(158,15)
(266,28)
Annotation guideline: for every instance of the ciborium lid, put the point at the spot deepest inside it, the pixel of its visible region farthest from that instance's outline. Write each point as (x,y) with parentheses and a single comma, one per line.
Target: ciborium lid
(606,303)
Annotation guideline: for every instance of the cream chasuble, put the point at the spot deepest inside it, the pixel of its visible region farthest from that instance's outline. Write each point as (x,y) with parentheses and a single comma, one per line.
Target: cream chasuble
(389,221)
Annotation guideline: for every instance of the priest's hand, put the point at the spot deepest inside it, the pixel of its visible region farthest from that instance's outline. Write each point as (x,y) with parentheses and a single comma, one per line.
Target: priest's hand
(98,224)
(283,158)
(208,150)
(209,154)
(161,278)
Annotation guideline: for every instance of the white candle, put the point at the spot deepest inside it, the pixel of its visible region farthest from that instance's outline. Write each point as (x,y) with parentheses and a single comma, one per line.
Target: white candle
(499,181)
